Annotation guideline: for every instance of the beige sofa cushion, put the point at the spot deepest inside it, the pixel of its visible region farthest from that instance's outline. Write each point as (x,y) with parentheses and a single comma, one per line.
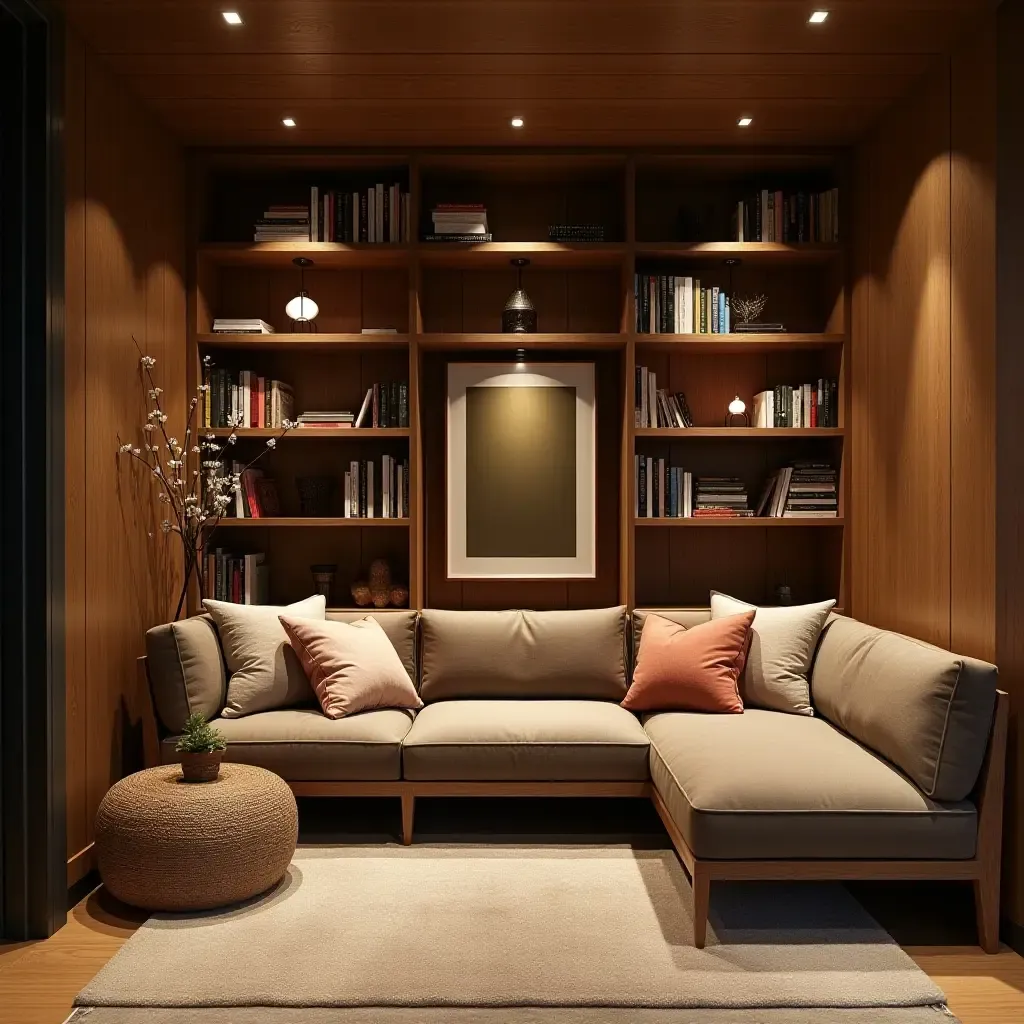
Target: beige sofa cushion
(265,672)
(303,745)
(570,654)
(766,784)
(926,710)
(520,740)
(398,623)
(186,670)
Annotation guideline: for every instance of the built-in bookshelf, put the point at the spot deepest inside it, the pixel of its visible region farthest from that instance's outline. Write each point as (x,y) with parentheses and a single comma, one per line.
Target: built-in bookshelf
(666,214)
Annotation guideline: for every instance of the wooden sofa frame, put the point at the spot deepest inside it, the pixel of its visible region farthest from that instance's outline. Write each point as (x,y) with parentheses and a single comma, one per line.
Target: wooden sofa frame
(983,870)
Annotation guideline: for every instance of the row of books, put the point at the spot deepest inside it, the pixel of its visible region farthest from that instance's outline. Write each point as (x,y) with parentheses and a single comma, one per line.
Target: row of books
(242,325)
(802,405)
(459,222)
(803,490)
(576,232)
(783,216)
(385,405)
(669,304)
(372,492)
(257,496)
(242,398)
(243,579)
(656,407)
(376,214)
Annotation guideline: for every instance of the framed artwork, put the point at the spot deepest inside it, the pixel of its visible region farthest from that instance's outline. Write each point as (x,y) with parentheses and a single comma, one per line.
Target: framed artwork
(521,471)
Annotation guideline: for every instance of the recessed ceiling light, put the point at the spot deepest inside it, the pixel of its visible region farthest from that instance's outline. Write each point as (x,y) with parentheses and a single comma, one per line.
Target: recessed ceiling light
(817,17)
(288,122)
(745,122)
(517,122)
(232,17)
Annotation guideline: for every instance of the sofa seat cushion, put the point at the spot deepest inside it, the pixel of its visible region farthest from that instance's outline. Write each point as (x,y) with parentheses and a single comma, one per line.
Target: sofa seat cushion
(767,784)
(525,740)
(304,745)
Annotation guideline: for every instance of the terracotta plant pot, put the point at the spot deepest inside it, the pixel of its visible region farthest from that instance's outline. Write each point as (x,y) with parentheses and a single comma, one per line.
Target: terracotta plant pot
(200,767)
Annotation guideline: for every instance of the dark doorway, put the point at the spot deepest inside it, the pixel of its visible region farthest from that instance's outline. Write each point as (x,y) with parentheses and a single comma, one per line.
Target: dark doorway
(33,894)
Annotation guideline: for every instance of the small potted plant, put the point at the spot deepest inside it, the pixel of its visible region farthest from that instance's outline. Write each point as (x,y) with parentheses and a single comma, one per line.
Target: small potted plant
(201,748)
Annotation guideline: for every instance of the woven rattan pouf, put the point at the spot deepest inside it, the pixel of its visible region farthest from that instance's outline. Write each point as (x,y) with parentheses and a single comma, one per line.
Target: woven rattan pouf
(165,844)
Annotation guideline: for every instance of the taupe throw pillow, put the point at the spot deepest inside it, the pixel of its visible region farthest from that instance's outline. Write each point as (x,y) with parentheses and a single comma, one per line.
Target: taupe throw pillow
(782,645)
(265,672)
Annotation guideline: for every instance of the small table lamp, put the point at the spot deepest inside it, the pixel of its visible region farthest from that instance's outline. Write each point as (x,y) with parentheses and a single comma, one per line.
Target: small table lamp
(737,407)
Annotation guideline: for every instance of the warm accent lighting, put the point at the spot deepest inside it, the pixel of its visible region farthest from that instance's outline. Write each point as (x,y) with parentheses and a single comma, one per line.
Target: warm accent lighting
(737,408)
(517,122)
(817,17)
(745,122)
(288,122)
(232,17)
(520,356)
(302,310)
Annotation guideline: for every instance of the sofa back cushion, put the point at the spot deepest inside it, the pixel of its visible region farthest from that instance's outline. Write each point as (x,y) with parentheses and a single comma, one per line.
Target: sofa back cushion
(925,710)
(186,670)
(559,654)
(400,626)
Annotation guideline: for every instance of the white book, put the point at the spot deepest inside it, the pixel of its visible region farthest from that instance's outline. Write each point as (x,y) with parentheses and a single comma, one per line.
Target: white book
(760,409)
(652,400)
(371,505)
(688,494)
(739,222)
(354,488)
(246,398)
(347,491)
(385,485)
(364,408)
(371,214)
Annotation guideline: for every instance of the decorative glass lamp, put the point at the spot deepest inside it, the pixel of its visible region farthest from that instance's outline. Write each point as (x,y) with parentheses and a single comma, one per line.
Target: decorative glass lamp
(737,410)
(302,310)
(519,315)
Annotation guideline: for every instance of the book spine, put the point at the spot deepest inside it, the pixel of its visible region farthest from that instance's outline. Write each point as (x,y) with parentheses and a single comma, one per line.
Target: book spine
(641,489)
(403,405)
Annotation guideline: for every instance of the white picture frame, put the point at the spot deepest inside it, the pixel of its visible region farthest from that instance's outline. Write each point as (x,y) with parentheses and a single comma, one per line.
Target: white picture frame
(581,378)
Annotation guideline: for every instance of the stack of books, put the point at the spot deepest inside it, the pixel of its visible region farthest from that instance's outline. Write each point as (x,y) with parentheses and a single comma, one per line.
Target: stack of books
(242,579)
(242,398)
(661,491)
(780,216)
(575,233)
(724,496)
(327,419)
(654,406)
(372,492)
(459,222)
(804,490)
(801,405)
(385,405)
(287,223)
(668,304)
(252,325)
(376,214)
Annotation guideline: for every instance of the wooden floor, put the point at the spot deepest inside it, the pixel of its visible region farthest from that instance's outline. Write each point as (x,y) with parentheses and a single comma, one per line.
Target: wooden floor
(39,980)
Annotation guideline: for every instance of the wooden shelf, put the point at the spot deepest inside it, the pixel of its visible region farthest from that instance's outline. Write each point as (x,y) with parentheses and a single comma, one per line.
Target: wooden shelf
(305,522)
(323,254)
(341,433)
(302,342)
(748,252)
(511,342)
(764,522)
(739,343)
(762,433)
(556,255)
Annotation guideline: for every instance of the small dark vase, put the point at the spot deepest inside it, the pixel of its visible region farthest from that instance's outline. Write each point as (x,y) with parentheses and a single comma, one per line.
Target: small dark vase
(200,767)
(323,579)
(519,315)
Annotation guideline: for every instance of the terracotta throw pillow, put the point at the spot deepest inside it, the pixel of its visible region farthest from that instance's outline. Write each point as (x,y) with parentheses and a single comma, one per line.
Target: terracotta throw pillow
(694,669)
(352,666)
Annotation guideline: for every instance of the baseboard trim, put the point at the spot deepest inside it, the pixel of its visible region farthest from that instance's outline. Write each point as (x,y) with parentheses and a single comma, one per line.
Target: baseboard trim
(81,863)
(80,889)
(1013,935)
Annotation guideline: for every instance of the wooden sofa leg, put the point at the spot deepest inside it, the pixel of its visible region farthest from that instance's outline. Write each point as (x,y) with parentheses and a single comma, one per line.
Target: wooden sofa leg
(701,899)
(408,811)
(986,909)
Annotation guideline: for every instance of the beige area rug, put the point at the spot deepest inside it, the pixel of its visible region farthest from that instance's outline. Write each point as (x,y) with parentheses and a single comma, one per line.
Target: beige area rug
(512,926)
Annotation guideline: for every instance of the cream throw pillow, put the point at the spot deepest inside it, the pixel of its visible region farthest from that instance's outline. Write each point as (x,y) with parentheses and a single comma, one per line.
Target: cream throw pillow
(782,645)
(265,672)
(352,666)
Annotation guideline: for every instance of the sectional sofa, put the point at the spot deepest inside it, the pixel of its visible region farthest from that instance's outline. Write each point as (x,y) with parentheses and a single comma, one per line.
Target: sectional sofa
(897,775)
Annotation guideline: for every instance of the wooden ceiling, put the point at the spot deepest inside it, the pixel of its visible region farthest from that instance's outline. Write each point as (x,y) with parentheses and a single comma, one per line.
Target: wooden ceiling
(580,72)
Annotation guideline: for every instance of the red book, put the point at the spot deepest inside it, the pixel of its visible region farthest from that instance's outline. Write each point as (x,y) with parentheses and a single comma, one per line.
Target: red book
(236,584)
(326,426)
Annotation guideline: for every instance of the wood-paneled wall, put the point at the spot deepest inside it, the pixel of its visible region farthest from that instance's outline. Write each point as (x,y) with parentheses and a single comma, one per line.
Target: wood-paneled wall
(933,552)
(125,266)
